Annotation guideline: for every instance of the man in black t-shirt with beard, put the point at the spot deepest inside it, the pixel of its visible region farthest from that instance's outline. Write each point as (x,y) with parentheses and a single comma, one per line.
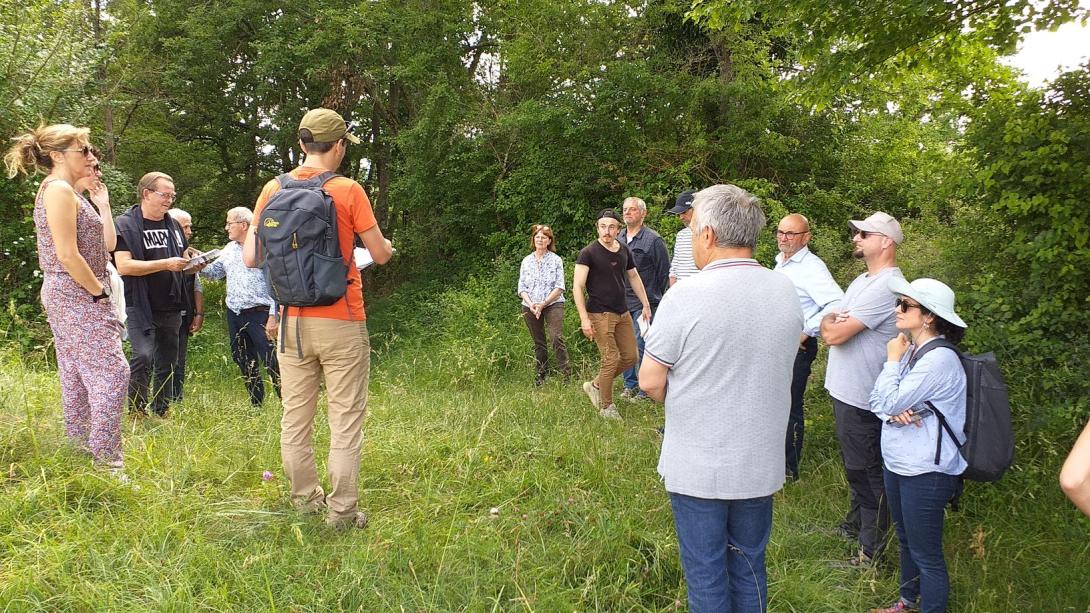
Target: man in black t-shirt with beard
(601,270)
(151,253)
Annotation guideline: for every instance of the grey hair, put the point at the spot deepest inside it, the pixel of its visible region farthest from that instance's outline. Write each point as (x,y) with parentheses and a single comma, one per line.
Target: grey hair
(637,201)
(731,212)
(241,213)
(180,215)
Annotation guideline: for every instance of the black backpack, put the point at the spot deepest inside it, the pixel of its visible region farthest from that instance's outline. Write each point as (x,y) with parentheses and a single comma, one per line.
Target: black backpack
(988,447)
(298,244)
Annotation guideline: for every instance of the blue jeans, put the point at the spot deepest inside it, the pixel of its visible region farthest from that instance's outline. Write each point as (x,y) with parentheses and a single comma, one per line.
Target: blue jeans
(631,376)
(917,505)
(722,546)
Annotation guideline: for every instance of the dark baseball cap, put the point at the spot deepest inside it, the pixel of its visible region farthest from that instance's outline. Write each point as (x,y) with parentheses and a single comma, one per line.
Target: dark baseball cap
(610,213)
(683,203)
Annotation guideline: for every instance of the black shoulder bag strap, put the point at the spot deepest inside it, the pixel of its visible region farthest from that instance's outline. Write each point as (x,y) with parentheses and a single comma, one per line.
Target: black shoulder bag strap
(935,344)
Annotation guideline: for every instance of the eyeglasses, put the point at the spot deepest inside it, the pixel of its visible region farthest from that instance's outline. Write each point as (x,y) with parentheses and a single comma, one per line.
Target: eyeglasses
(789,235)
(903,306)
(85,150)
(865,233)
(171,197)
(231,223)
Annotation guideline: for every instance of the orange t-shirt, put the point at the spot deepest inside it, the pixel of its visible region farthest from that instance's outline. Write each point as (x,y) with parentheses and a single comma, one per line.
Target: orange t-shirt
(354,215)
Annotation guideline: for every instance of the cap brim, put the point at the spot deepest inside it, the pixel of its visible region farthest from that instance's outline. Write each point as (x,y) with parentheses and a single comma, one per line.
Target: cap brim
(678,210)
(352,138)
(901,287)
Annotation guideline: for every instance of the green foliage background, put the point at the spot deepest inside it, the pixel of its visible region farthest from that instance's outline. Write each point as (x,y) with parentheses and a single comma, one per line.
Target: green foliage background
(480,119)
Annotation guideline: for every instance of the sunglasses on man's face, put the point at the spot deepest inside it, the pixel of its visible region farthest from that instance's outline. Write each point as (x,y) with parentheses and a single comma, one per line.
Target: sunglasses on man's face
(863,234)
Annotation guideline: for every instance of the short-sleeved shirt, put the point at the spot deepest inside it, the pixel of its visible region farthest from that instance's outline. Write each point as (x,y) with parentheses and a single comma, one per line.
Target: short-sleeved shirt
(731,355)
(854,365)
(157,236)
(606,278)
(538,278)
(354,215)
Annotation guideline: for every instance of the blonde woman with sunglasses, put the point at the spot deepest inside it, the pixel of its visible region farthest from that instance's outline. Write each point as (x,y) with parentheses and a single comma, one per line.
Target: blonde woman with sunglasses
(73,244)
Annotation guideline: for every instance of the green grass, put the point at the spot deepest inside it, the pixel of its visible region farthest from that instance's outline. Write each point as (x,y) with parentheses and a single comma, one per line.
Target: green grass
(454,429)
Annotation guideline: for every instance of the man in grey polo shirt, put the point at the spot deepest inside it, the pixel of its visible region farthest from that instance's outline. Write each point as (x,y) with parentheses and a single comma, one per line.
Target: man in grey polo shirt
(722,361)
(857,335)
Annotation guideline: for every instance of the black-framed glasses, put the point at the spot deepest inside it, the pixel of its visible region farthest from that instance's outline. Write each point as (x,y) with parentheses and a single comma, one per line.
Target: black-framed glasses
(866,233)
(789,235)
(903,306)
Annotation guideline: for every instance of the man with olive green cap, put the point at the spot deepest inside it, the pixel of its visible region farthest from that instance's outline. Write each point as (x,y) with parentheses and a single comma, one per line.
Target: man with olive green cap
(326,342)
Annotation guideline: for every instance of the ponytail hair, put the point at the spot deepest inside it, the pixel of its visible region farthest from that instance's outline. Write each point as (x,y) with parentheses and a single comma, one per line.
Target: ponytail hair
(30,152)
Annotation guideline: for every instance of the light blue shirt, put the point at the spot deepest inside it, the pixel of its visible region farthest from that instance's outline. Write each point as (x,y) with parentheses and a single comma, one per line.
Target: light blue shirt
(818,293)
(937,377)
(246,287)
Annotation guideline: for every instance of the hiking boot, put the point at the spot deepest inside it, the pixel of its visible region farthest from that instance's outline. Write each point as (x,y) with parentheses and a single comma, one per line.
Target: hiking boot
(860,560)
(359,520)
(610,412)
(846,531)
(593,393)
(629,392)
(897,607)
(539,380)
(640,396)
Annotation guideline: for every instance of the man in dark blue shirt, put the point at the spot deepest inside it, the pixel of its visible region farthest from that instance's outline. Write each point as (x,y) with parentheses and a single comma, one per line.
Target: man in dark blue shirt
(653,266)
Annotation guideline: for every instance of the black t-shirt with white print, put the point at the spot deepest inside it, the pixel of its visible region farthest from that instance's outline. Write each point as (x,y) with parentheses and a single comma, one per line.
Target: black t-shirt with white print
(157,235)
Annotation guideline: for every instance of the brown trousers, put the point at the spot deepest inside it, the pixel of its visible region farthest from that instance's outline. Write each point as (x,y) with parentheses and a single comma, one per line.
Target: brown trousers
(616,342)
(338,352)
(552,319)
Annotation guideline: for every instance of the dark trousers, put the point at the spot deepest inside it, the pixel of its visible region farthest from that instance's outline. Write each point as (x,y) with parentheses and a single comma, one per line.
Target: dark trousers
(860,434)
(917,505)
(177,371)
(153,353)
(796,424)
(249,344)
(552,321)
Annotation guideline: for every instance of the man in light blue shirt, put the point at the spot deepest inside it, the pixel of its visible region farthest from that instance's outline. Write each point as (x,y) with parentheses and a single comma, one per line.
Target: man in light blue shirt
(818,295)
(251,312)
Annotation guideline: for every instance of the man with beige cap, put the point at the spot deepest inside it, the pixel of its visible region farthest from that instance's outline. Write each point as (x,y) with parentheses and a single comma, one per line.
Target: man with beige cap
(857,335)
(326,341)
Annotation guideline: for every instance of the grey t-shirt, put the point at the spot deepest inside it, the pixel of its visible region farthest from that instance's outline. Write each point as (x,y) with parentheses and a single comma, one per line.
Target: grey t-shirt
(854,365)
(730,354)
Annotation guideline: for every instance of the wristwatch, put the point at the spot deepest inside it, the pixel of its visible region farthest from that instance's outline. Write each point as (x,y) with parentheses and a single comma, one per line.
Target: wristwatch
(105,293)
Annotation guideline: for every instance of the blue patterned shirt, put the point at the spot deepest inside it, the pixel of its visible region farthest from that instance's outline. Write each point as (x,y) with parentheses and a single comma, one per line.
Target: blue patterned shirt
(246,287)
(539,279)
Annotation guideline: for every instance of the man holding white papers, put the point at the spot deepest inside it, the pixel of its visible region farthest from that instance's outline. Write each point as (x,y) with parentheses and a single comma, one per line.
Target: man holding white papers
(653,266)
(250,309)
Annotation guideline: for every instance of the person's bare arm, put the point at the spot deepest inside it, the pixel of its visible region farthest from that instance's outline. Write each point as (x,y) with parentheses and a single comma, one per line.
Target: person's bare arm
(100,197)
(653,378)
(60,215)
(1075,475)
(578,284)
(129,267)
(637,286)
(377,245)
(198,312)
(839,328)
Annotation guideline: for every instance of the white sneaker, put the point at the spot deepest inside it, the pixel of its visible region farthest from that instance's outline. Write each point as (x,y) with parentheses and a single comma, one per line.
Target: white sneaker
(610,412)
(593,393)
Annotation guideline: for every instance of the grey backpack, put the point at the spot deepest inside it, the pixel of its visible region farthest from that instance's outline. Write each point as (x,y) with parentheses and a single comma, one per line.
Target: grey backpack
(298,245)
(988,445)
